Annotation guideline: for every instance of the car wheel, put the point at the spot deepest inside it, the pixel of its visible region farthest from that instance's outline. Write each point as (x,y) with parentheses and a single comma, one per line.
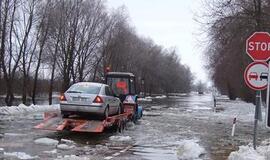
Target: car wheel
(106,113)
(64,114)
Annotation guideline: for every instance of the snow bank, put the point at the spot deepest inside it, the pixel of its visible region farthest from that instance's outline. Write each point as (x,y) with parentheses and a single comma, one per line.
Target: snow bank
(189,150)
(46,141)
(20,155)
(248,153)
(22,109)
(121,138)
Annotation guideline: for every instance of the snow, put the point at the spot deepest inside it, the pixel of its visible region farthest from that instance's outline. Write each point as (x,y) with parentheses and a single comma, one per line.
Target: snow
(189,150)
(248,153)
(66,141)
(72,157)
(201,108)
(23,109)
(145,99)
(146,113)
(46,141)
(20,155)
(14,134)
(161,97)
(65,147)
(51,152)
(121,138)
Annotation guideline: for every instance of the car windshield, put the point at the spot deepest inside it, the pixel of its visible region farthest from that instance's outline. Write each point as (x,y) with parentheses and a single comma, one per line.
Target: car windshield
(120,86)
(84,88)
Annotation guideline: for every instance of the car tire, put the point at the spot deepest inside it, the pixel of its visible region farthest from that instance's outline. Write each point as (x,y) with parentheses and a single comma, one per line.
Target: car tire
(64,115)
(106,113)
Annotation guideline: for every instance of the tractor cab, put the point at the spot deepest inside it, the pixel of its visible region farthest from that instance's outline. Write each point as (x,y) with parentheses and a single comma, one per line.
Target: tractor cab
(122,84)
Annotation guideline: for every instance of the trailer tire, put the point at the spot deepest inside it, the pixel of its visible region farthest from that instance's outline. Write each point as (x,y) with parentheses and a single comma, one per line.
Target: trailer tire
(121,108)
(121,127)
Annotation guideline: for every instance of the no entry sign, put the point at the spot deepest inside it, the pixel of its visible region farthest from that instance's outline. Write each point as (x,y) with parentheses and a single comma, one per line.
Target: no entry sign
(256,75)
(258,46)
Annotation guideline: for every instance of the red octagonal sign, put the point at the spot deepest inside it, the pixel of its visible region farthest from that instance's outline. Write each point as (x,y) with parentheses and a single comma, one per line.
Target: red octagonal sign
(258,46)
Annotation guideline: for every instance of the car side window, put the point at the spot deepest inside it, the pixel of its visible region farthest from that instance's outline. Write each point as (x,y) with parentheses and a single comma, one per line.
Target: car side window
(108,91)
(111,92)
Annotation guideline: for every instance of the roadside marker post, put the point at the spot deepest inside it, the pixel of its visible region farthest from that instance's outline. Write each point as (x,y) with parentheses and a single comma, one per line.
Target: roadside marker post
(233,127)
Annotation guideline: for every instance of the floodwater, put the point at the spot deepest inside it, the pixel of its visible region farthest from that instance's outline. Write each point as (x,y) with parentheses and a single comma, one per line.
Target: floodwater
(159,135)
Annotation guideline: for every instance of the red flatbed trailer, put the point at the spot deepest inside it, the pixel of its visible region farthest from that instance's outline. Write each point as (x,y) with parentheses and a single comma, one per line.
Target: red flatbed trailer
(53,121)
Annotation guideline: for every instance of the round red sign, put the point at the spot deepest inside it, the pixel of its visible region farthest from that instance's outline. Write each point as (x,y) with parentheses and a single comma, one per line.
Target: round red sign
(256,75)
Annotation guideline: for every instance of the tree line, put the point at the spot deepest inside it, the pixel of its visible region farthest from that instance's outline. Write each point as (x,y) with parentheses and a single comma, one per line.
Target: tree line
(48,45)
(228,24)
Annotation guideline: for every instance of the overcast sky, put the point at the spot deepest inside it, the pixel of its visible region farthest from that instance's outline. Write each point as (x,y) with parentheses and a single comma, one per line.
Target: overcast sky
(170,24)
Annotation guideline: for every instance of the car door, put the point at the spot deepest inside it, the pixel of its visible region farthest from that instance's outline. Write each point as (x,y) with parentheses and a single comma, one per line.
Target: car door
(111,100)
(116,101)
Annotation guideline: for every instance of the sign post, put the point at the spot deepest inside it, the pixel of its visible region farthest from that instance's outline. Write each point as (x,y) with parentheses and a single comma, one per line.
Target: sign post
(258,48)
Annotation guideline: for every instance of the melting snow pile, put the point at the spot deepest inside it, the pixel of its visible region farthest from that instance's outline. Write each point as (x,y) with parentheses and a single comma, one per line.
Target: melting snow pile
(146,99)
(189,149)
(248,153)
(22,109)
(121,138)
(46,141)
(20,155)
(65,147)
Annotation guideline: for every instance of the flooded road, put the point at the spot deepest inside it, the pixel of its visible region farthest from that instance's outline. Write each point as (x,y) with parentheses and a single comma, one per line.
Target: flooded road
(171,128)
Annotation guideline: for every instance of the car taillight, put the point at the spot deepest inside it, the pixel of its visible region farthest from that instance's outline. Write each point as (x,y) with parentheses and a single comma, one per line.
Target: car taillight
(63,98)
(98,99)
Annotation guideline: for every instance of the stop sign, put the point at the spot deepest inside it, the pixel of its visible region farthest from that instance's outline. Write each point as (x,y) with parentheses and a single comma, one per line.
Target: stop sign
(258,46)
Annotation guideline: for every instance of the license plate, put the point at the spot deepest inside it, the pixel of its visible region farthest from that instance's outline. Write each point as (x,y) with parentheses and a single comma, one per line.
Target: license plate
(79,99)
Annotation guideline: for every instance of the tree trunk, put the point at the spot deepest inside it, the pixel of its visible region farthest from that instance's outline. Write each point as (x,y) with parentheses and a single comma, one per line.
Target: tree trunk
(51,82)
(9,96)
(24,91)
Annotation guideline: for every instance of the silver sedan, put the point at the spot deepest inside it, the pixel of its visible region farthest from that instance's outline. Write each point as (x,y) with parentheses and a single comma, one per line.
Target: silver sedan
(89,98)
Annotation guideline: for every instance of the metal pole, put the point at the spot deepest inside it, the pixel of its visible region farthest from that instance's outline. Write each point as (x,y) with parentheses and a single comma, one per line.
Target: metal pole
(267,97)
(257,117)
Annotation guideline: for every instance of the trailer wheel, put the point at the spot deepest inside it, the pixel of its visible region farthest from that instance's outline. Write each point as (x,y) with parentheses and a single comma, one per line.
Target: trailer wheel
(121,127)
